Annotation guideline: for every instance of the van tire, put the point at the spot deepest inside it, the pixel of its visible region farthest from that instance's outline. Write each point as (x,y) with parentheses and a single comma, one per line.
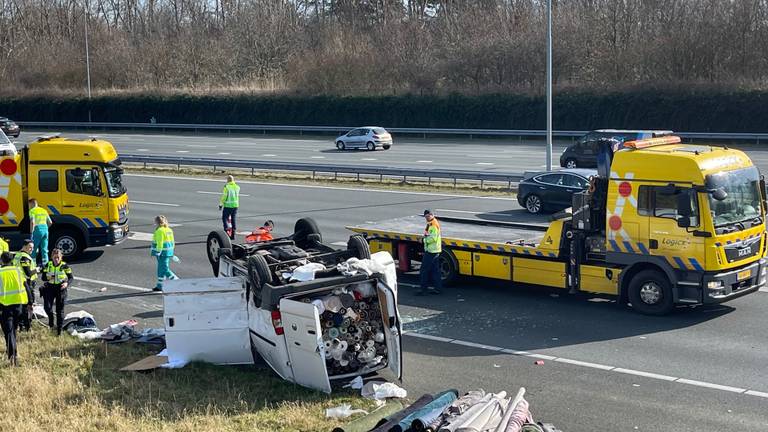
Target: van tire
(449,267)
(69,241)
(258,276)
(303,229)
(359,247)
(651,293)
(217,240)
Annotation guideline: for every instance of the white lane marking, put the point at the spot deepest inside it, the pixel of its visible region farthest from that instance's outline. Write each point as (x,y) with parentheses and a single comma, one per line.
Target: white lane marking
(80,289)
(483,163)
(155,203)
(424,161)
(456,211)
(218,193)
(130,287)
(368,159)
(182,151)
(269,155)
(590,365)
(301,186)
(175,225)
(224,153)
(317,157)
(201,146)
(142,150)
(140,236)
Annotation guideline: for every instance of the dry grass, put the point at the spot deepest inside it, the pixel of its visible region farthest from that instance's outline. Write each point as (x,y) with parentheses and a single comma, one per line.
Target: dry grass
(370,182)
(65,384)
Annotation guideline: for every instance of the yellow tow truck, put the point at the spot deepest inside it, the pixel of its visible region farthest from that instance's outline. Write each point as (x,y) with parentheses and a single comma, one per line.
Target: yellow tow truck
(670,224)
(79,183)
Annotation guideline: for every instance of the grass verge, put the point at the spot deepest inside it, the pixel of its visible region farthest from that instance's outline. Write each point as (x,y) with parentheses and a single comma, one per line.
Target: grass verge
(65,384)
(412,185)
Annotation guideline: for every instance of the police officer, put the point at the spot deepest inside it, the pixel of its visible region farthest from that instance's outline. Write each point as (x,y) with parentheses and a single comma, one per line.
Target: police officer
(24,261)
(4,247)
(39,221)
(163,247)
(57,276)
(430,263)
(229,202)
(13,299)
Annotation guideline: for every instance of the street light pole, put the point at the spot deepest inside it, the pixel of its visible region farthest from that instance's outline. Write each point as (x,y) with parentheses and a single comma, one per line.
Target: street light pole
(549,85)
(87,61)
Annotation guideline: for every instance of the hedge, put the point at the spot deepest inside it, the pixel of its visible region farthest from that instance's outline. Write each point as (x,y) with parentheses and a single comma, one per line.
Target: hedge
(721,111)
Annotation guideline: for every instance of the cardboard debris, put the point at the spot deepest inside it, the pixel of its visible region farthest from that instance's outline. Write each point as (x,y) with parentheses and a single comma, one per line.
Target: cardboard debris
(147,363)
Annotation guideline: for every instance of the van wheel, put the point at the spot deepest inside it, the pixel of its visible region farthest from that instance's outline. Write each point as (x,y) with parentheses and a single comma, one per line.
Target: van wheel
(340,145)
(370,146)
(68,241)
(258,276)
(217,240)
(359,247)
(571,163)
(650,293)
(304,231)
(449,267)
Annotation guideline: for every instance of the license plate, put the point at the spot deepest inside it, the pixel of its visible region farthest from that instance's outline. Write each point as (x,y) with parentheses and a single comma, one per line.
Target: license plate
(743,274)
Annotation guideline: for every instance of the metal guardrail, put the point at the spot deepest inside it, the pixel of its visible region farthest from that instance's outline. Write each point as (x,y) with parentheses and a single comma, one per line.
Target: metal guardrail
(756,137)
(335,169)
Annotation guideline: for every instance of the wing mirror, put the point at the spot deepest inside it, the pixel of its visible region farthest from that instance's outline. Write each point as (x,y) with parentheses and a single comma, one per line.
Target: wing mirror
(719,194)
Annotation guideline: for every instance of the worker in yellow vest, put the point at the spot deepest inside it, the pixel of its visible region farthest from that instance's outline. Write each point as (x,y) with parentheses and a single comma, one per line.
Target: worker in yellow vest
(39,220)
(24,261)
(430,262)
(4,247)
(163,245)
(229,202)
(57,276)
(13,299)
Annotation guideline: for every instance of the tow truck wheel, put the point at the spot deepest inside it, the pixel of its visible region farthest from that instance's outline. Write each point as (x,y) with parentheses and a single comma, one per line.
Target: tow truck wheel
(68,241)
(449,267)
(302,230)
(217,240)
(650,293)
(533,204)
(359,247)
(258,276)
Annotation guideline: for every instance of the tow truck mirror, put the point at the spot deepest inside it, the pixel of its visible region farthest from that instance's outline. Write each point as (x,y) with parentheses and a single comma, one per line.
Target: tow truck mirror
(96,182)
(719,194)
(684,211)
(763,193)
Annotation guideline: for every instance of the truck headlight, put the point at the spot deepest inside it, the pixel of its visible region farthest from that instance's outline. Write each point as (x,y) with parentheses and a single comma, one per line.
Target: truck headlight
(715,285)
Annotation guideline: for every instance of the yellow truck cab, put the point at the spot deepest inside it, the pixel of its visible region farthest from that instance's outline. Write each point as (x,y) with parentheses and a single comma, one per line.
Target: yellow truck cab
(78,182)
(666,224)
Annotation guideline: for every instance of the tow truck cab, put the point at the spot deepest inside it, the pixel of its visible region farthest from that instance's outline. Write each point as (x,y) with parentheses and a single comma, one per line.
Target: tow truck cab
(79,183)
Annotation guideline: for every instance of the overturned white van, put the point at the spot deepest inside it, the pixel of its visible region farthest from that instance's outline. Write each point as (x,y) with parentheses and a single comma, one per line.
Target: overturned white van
(340,324)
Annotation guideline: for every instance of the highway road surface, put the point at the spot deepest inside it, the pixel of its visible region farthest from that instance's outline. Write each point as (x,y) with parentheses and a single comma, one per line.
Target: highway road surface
(605,367)
(494,155)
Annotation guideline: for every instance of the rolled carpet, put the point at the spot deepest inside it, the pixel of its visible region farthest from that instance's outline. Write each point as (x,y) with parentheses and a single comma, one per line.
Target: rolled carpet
(390,421)
(441,401)
(368,422)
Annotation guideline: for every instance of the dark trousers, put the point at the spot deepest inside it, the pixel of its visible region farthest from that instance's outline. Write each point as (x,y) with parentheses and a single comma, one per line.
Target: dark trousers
(225,214)
(9,315)
(53,295)
(430,271)
(25,319)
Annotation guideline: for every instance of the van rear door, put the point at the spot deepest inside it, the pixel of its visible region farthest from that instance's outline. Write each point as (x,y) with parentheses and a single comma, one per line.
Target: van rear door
(393,329)
(303,338)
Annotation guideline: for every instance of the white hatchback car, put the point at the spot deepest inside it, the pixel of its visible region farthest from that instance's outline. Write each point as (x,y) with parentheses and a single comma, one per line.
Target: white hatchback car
(368,137)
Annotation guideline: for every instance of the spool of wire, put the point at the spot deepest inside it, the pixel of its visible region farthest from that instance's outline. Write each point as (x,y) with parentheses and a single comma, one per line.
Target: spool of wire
(333,332)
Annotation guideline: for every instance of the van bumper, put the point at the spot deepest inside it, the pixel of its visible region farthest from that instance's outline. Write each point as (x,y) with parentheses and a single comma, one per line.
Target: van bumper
(726,286)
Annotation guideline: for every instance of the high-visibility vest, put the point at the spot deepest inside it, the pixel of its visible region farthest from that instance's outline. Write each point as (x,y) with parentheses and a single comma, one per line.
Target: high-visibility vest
(23,261)
(12,290)
(39,216)
(433,241)
(230,196)
(57,274)
(4,246)
(162,242)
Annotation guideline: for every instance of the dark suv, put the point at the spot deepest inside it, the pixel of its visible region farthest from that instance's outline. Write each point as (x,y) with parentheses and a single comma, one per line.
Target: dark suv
(9,127)
(583,154)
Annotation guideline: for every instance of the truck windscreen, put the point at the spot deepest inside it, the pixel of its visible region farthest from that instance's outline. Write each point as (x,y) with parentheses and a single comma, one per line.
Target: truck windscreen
(114,178)
(742,203)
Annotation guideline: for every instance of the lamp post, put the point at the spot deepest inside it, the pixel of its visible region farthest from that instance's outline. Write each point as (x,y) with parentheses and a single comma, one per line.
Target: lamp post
(549,85)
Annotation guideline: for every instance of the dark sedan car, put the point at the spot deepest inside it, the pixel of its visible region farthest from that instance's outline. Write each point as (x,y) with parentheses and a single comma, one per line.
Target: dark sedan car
(552,190)
(10,127)
(583,153)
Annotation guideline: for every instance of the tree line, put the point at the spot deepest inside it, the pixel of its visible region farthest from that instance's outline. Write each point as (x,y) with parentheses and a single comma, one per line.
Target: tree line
(379,47)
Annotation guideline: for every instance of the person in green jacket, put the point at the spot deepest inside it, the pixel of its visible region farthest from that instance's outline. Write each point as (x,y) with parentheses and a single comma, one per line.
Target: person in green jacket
(229,202)
(163,246)
(13,300)
(430,263)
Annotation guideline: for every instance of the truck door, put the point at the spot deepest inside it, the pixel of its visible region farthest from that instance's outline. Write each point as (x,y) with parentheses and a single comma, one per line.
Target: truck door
(84,197)
(667,235)
(306,351)
(45,184)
